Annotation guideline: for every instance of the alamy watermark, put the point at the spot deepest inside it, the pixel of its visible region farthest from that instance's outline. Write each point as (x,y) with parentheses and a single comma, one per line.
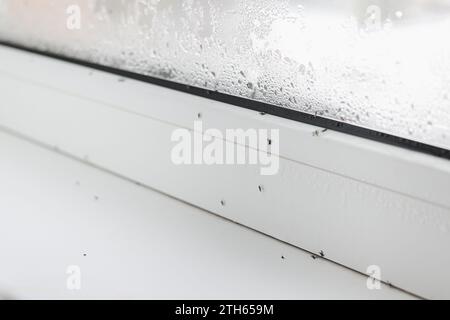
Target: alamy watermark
(376,19)
(73,21)
(374,280)
(232,147)
(73,281)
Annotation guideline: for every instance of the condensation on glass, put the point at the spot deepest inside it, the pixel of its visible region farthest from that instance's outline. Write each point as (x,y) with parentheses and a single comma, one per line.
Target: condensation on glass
(380,64)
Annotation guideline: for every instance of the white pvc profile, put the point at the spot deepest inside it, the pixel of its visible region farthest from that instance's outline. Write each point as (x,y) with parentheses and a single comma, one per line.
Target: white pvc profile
(359,202)
(87,219)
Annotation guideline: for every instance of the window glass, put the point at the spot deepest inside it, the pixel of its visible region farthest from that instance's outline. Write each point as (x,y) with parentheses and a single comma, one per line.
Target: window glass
(379,64)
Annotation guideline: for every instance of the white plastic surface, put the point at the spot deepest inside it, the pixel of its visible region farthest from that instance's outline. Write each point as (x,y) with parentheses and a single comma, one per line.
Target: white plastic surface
(132,242)
(360,202)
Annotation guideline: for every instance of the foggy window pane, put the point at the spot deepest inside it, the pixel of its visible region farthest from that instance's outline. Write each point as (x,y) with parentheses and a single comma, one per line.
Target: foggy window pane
(383,65)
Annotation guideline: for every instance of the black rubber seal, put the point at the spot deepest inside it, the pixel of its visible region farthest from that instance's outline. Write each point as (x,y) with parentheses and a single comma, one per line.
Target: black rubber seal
(255,105)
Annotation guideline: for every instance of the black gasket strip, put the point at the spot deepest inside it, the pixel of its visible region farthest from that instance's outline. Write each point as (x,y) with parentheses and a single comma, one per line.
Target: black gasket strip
(256,105)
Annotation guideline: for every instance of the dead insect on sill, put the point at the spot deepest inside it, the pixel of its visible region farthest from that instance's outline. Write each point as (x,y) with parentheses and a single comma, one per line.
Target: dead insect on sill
(317,133)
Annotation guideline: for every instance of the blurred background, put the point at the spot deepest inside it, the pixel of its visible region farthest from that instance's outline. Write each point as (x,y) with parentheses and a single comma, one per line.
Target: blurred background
(381,64)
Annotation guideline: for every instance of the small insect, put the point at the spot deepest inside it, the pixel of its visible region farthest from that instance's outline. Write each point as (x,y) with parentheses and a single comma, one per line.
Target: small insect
(314,256)
(322,254)
(282,257)
(317,133)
